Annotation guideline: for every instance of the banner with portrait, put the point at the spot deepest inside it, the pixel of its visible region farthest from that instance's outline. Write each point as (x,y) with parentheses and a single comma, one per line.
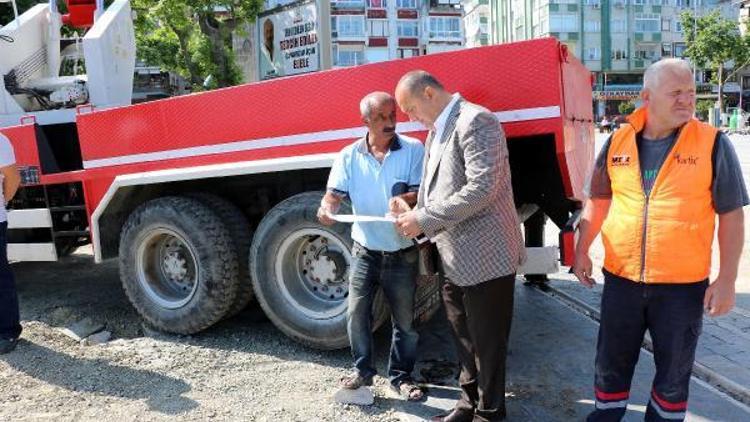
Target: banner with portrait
(288,40)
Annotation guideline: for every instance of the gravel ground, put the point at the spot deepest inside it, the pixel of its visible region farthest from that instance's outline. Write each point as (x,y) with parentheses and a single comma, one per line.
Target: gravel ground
(242,369)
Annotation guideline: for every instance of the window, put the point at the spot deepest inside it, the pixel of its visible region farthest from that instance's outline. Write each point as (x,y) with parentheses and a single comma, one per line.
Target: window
(445,27)
(404,53)
(408,28)
(348,25)
(619,54)
(591,2)
(377,28)
(666,49)
(666,24)
(682,3)
(618,25)
(677,26)
(591,26)
(648,54)
(592,53)
(679,49)
(347,57)
(377,4)
(646,22)
(375,55)
(563,23)
(638,1)
(406,4)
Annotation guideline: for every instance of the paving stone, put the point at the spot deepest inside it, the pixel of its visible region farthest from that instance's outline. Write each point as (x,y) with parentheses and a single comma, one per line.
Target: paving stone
(97,339)
(361,396)
(82,329)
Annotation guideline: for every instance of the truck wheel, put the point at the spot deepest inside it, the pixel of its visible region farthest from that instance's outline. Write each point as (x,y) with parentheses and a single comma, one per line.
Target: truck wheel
(300,273)
(242,235)
(178,265)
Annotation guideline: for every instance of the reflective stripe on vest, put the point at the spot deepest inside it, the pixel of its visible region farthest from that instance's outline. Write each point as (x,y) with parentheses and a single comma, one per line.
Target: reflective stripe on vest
(667,236)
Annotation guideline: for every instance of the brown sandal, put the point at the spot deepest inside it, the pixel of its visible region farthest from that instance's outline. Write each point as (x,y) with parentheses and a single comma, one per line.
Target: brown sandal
(354,381)
(409,390)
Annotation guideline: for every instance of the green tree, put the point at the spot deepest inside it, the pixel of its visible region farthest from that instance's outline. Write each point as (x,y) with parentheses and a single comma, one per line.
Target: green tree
(6,9)
(702,108)
(713,42)
(626,107)
(193,38)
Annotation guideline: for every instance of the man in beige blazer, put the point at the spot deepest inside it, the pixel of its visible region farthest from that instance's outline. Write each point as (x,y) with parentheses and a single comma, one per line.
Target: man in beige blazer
(465,207)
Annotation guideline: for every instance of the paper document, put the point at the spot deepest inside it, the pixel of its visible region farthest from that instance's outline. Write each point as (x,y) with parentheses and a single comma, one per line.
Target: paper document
(351,218)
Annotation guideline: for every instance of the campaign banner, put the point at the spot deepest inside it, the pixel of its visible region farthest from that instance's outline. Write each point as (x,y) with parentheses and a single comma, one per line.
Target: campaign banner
(288,41)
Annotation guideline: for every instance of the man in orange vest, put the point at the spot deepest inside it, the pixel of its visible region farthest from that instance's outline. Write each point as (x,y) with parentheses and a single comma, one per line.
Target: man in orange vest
(657,186)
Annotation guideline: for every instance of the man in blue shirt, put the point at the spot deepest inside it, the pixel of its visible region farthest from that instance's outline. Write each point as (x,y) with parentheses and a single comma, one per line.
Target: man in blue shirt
(371,172)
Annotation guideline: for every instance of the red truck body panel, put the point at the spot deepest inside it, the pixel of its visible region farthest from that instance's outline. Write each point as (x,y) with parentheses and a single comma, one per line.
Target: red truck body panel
(535,87)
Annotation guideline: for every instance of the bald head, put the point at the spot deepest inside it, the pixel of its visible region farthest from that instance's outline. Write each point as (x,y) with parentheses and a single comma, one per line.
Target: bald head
(421,97)
(374,101)
(665,68)
(417,80)
(668,95)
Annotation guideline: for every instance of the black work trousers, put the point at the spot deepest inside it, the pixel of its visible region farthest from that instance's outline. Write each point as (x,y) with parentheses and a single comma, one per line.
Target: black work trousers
(673,315)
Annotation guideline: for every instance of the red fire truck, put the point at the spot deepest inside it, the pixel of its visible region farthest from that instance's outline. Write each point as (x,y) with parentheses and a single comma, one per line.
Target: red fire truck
(209,199)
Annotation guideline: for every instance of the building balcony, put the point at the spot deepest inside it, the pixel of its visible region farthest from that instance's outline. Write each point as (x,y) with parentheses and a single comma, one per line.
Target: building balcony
(445,36)
(553,7)
(346,36)
(642,63)
(440,4)
(647,37)
(408,42)
(347,4)
(407,14)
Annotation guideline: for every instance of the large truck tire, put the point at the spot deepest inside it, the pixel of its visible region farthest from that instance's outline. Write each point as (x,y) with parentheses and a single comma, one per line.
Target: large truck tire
(300,273)
(178,265)
(242,235)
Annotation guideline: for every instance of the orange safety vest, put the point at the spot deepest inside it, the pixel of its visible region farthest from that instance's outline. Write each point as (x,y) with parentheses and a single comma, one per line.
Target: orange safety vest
(665,237)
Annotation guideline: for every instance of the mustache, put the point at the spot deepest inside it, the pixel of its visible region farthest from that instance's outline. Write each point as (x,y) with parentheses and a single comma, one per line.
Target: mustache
(389,129)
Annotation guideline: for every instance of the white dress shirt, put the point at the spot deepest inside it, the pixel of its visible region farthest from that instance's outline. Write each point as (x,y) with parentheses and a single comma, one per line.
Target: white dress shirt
(437,130)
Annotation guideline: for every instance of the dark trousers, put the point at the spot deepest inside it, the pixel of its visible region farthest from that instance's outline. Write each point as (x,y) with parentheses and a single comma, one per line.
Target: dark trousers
(480,317)
(10,326)
(673,315)
(396,274)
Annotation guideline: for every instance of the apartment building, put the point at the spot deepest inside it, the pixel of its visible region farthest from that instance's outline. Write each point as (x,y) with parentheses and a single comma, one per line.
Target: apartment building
(476,22)
(616,39)
(293,37)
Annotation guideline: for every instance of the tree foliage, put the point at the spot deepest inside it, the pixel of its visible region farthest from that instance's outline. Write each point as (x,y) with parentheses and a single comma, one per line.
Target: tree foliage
(6,9)
(714,42)
(626,107)
(193,37)
(702,108)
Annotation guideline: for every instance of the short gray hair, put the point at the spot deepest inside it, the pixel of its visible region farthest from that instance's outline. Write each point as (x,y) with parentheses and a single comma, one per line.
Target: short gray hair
(372,100)
(656,70)
(417,80)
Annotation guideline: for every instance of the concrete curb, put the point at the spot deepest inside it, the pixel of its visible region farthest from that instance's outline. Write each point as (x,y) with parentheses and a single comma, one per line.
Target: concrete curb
(700,371)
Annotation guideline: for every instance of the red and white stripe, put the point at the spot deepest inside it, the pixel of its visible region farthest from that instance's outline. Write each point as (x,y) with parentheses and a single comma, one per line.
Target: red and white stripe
(666,409)
(606,401)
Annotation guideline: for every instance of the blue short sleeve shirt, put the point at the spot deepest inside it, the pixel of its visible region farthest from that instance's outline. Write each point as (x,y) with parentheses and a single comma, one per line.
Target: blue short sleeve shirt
(370,184)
